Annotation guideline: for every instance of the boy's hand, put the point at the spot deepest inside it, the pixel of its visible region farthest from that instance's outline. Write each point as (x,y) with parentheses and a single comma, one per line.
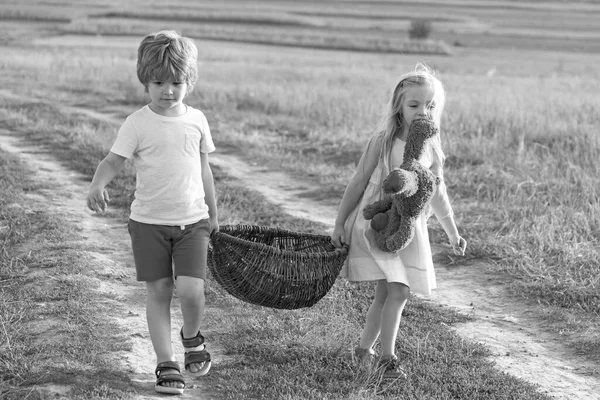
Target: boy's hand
(214,224)
(97,199)
(459,246)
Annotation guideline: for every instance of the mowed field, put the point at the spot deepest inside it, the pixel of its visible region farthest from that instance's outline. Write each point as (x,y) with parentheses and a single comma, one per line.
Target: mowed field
(300,86)
(354,24)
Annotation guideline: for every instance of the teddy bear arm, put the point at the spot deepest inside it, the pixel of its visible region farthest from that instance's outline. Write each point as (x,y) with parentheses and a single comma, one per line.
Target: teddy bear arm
(402,236)
(379,206)
(401,181)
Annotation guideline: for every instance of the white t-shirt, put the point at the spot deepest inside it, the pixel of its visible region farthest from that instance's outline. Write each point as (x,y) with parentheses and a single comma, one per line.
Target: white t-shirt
(166,155)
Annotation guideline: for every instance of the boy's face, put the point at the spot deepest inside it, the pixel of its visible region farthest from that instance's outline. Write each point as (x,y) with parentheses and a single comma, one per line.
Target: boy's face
(167,97)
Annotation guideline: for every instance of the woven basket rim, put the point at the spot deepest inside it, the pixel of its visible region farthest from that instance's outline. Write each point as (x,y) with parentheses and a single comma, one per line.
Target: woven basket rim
(275,251)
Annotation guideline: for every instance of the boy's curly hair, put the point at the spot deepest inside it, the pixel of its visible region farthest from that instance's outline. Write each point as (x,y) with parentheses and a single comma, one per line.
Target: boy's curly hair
(167,55)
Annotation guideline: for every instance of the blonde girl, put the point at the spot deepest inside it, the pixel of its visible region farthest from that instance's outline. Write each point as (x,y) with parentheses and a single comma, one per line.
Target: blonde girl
(418,94)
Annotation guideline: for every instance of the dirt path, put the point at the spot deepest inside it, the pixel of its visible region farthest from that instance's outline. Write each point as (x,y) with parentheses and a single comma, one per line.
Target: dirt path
(106,243)
(508,328)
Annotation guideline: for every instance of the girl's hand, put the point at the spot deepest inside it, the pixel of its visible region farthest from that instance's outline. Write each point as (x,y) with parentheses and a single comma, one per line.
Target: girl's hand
(97,199)
(459,246)
(338,237)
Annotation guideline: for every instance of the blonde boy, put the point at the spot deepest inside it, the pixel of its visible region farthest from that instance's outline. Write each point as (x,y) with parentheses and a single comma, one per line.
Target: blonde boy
(174,210)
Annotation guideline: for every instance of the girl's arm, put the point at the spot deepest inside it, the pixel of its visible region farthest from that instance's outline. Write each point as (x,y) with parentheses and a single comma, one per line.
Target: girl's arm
(106,171)
(355,190)
(209,192)
(440,204)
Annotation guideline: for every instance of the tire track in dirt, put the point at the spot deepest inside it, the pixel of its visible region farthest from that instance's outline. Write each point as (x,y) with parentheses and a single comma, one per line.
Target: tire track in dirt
(508,328)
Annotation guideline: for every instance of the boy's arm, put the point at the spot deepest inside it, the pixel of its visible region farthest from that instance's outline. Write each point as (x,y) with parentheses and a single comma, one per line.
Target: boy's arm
(209,192)
(106,171)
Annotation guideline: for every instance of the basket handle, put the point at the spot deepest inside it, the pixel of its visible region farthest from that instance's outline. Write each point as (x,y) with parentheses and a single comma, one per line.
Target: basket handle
(343,250)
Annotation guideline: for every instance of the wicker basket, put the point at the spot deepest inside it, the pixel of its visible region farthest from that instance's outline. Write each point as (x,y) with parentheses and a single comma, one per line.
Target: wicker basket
(273,267)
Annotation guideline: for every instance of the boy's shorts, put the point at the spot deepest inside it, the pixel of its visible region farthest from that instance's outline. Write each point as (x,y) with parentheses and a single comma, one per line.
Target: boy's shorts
(157,247)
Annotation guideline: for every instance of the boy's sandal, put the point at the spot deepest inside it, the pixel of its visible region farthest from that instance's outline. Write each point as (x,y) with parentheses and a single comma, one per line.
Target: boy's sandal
(172,377)
(193,356)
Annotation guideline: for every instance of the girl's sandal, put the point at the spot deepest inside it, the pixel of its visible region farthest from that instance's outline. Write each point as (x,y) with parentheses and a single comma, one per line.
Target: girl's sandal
(172,377)
(194,356)
(391,369)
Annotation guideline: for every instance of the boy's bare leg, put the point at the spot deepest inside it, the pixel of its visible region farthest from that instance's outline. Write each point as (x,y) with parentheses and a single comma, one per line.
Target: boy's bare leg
(158,315)
(190,292)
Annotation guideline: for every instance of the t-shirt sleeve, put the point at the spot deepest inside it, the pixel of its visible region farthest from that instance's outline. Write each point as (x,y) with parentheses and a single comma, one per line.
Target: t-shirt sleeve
(126,142)
(206,142)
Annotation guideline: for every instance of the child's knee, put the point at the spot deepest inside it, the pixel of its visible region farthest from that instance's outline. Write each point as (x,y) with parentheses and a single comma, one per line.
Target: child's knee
(398,292)
(160,288)
(190,288)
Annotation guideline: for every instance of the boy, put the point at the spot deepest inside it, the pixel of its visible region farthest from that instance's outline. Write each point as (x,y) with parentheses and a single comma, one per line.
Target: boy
(174,210)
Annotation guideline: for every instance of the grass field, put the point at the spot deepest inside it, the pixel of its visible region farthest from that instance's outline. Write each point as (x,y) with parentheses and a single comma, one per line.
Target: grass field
(520,128)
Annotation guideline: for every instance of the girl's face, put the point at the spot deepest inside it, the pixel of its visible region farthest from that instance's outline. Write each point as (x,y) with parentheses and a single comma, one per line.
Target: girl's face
(167,97)
(417,103)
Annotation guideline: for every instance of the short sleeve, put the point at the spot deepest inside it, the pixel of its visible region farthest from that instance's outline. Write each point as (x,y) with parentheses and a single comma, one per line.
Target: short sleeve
(127,141)
(206,142)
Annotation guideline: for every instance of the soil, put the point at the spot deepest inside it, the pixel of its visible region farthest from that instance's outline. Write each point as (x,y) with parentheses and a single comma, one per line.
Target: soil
(520,347)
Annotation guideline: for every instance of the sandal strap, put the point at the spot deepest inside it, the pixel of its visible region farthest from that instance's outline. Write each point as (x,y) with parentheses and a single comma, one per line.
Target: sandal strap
(193,357)
(165,365)
(192,342)
(170,378)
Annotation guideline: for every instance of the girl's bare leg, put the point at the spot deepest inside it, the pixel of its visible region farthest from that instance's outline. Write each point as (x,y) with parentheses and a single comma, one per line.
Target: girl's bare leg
(397,296)
(373,324)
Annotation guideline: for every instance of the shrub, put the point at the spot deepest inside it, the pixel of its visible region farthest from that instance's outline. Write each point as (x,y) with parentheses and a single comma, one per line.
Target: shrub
(419,29)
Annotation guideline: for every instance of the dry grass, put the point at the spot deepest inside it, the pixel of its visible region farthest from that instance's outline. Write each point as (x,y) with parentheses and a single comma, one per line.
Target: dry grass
(525,164)
(519,132)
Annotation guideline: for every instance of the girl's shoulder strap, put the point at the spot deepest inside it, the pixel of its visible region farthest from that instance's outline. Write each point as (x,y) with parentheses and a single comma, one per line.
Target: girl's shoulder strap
(375,143)
(370,156)
(375,147)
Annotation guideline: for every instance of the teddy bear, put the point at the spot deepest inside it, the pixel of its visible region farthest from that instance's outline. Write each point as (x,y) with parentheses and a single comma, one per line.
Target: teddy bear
(408,190)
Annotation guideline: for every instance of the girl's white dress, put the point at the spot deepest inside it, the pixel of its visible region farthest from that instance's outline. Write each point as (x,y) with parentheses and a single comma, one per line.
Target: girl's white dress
(412,265)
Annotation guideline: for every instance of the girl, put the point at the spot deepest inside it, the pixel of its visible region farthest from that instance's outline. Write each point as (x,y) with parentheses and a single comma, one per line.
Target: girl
(418,94)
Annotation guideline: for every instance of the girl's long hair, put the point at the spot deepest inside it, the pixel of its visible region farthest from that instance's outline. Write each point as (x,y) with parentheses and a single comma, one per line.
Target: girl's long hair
(391,125)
